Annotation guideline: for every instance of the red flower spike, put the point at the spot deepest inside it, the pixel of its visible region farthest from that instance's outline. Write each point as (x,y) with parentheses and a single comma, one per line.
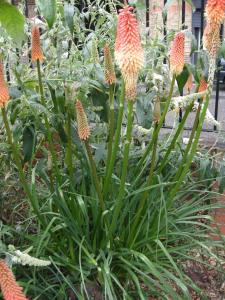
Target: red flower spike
(36,51)
(10,289)
(129,53)
(4,92)
(215,11)
(177,54)
(82,122)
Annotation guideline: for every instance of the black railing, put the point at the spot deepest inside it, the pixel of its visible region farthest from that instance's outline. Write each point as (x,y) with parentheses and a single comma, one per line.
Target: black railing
(217,77)
(202,24)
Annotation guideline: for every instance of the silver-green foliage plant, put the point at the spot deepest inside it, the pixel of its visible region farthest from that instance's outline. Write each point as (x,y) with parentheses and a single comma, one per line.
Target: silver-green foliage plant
(109,207)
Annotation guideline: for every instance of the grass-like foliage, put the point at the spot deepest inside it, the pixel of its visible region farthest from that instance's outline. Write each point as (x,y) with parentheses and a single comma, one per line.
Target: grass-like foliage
(115,206)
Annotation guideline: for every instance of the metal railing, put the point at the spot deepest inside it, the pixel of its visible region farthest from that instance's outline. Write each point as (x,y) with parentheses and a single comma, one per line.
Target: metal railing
(217,85)
(183,16)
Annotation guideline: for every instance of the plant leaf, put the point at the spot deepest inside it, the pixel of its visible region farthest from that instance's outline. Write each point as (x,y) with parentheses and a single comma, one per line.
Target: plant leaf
(29,138)
(48,9)
(12,20)
(182,79)
(68,14)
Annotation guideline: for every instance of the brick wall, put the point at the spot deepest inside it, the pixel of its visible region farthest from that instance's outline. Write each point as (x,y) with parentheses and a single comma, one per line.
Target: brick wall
(155,18)
(174,20)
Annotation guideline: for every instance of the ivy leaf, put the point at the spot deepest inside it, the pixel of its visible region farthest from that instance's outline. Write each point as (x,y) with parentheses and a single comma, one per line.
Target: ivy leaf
(12,21)
(48,9)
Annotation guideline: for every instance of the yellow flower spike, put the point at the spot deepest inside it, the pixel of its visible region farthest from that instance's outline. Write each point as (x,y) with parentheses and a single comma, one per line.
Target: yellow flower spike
(110,76)
(211,39)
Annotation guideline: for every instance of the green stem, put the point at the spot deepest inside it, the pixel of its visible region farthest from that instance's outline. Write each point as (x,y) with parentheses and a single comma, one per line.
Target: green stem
(160,124)
(95,176)
(194,128)
(119,201)
(111,124)
(176,136)
(17,160)
(109,169)
(69,148)
(194,144)
(48,128)
(148,184)
(188,159)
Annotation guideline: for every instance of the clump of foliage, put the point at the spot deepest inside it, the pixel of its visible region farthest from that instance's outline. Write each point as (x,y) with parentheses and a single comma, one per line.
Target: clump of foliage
(109,204)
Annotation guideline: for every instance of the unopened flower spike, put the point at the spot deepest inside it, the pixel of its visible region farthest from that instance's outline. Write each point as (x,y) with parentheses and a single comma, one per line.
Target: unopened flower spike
(36,51)
(110,76)
(157,110)
(4,92)
(129,53)
(8,285)
(189,83)
(94,51)
(177,54)
(82,122)
(202,85)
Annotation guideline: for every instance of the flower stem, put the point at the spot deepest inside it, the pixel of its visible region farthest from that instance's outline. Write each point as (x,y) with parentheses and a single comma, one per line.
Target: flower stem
(156,133)
(95,175)
(111,123)
(192,144)
(18,163)
(148,184)
(194,128)
(176,136)
(48,129)
(199,120)
(119,200)
(109,169)
(69,148)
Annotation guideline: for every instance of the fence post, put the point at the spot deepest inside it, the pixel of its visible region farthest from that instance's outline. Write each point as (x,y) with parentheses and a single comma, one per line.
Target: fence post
(218,84)
(147,12)
(26,9)
(202,17)
(183,27)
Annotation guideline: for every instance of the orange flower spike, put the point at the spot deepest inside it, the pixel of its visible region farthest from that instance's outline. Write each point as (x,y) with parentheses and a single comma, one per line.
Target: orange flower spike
(189,83)
(82,122)
(9,287)
(215,11)
(4,92)
(177,54)
(202,85)
(36,51)
(129,53)
(110,76)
